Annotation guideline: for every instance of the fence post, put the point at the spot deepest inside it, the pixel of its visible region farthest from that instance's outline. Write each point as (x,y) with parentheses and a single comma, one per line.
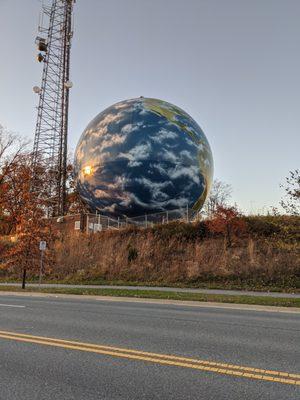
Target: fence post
(82,222)
(118,222)
(167,216)
(146,222)
(87,223)
(187,213)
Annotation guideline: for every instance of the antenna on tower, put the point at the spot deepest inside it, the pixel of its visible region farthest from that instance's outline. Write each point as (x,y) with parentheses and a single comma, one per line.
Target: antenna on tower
(51,132)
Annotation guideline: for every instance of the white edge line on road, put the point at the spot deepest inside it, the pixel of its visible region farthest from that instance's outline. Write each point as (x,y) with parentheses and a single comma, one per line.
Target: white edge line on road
(11,305)
(203,304)
(228,306)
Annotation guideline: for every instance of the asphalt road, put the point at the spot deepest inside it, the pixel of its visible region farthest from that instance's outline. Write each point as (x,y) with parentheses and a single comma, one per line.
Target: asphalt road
(164,289)
(41,368)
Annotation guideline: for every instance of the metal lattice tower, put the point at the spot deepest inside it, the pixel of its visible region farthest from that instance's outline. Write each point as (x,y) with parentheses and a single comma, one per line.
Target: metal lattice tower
(50,141)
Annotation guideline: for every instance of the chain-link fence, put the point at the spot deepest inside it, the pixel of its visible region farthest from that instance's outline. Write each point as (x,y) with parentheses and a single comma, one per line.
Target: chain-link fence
(98,222)
(93,223)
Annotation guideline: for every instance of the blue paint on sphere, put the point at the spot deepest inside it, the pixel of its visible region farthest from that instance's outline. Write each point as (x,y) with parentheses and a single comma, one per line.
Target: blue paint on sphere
(143,156)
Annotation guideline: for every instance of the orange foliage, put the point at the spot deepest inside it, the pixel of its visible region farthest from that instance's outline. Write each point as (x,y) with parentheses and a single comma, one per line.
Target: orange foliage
(226,221)
(24,212)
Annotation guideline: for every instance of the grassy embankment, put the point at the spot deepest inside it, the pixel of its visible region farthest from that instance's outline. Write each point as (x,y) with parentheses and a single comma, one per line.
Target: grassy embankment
(266,256)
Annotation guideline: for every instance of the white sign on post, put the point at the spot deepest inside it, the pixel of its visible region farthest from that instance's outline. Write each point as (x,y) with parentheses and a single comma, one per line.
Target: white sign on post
(43,245)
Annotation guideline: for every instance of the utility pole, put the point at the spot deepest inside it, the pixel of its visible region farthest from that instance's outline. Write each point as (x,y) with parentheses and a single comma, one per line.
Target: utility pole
(51,132)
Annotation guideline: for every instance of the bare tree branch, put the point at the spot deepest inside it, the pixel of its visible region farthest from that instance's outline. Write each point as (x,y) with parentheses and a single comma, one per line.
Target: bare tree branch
(11,147)
(219,196)
(291,201)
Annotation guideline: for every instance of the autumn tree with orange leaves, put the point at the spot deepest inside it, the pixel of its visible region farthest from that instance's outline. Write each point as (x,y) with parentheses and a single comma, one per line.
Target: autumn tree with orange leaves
(12,147)
(22,212)
(226,221)
(25,212)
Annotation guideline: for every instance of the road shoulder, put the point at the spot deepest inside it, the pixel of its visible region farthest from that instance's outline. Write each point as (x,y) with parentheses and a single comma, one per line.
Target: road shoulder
(228,306)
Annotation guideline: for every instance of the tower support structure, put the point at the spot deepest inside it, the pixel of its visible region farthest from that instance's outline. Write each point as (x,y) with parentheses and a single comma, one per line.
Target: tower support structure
(51,131)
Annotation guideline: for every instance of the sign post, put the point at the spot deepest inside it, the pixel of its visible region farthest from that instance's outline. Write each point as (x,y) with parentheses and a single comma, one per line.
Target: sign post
(43,246)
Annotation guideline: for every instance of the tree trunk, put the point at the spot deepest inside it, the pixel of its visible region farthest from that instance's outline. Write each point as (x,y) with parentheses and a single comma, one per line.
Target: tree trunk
(24,278)
(228,235)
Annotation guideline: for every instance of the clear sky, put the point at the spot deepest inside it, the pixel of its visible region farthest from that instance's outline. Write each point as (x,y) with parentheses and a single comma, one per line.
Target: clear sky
(233,65)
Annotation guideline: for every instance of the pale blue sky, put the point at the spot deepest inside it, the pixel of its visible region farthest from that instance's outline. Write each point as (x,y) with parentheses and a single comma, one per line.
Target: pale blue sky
(233,65)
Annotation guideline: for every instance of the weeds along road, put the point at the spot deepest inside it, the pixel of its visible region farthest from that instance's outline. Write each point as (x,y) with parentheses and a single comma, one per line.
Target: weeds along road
(160,289)
(60,348)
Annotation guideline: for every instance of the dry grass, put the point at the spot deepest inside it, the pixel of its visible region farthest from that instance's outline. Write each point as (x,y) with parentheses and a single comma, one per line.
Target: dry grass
(267,255)
(153,256)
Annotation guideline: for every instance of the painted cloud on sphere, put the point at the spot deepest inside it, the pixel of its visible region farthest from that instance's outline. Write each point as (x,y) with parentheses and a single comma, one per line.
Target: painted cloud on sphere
(143,156)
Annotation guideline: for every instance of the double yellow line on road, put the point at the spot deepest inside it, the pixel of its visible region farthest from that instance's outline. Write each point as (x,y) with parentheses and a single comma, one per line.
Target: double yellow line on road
(163,359)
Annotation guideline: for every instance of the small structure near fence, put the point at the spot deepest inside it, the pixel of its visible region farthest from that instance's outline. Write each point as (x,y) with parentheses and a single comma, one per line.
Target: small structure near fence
(93,223)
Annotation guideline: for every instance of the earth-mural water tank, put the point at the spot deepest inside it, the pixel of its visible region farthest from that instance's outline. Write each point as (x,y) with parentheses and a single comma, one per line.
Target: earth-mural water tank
(143,156)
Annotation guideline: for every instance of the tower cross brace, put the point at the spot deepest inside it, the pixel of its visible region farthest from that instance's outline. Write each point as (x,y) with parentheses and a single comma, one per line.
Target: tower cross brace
(51,131)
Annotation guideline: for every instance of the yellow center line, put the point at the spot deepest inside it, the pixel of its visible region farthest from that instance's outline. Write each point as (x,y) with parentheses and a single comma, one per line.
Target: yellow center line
(163,359)
(163,356)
